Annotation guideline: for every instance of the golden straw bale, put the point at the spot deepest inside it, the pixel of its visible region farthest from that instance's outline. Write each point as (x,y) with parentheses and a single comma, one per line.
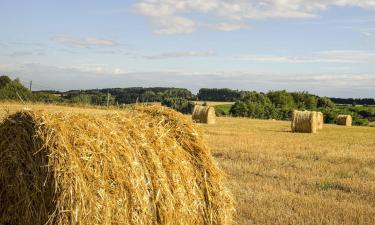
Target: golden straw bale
(204,114)
(147,165)
(320,120)
(344,120)
(304,122)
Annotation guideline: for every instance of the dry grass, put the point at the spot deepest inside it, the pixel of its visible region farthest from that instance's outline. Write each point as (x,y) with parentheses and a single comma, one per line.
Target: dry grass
(279,177)
(146,165)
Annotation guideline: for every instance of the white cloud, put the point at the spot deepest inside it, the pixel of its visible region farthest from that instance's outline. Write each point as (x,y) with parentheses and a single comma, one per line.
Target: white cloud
(83,42)
(176,16)
(82,77)
(227,26)
(332,56)
(95,68)
(174,25)
(181,54)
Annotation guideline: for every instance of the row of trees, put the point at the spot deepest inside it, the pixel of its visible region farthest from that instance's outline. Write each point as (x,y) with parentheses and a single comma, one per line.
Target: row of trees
(125,95)
(354,101)
(176,98)
(218,94)
(272,105)
(228,95)
(280,105)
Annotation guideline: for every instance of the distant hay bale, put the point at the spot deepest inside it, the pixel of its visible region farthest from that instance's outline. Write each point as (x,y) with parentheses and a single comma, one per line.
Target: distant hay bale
(304,122)
(344,120)
(320,120)
(204,114)
(147,165)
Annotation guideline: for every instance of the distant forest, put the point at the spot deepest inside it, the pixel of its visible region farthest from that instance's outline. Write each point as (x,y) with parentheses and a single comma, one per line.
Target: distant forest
(226,94)
(270,105)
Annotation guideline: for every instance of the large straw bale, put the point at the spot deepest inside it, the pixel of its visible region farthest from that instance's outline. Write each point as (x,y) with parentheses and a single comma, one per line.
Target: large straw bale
(344,120)
(320,120)
(304,122)
(148,165)
(204,114)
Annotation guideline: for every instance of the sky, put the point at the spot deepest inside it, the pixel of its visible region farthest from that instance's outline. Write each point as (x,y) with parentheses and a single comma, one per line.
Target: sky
(326,47)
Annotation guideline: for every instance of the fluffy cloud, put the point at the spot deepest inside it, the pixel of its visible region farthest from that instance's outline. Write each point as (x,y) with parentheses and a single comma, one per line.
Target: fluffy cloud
(95,68)
(177,16)
(83,42)
(227,26)
(60,78)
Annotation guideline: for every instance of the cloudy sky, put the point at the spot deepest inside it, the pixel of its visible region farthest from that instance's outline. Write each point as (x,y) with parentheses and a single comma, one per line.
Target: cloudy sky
(326,47)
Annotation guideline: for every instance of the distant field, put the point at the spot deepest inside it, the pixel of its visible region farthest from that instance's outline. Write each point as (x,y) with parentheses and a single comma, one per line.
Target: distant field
(214,103)
(278,177)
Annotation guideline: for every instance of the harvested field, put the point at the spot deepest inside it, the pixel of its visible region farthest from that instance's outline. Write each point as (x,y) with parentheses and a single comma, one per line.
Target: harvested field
(278,177)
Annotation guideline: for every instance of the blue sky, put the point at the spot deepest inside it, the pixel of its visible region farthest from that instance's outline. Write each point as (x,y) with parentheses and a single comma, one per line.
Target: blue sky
(326,47)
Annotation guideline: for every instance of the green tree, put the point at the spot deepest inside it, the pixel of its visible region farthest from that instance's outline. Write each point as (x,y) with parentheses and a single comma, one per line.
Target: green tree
(14,90)
(179,104)
(255,97)
(84,99)
(324,102)
(281,99)
(4,80)
(304,100)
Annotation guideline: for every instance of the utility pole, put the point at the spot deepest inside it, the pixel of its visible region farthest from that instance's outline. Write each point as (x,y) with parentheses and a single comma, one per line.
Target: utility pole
(31,84)
(107,98)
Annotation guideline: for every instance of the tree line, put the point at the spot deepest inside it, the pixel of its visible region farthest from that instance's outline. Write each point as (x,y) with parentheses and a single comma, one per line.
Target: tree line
(271,105)
(229,95)
(176,98)
(281,104)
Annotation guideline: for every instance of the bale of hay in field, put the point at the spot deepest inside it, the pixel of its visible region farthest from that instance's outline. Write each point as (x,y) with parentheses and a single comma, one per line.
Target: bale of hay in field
(304,122)
(147,165)
(344,120)
(320,120)
(204,114)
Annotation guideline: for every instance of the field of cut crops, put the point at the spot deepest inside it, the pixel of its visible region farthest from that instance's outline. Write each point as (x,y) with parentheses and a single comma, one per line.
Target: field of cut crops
(279,177)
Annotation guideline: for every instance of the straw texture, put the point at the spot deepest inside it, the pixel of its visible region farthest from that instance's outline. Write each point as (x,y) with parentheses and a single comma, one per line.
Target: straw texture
(147,165)
(304,122)
(204,114)
(320,120)
(344,120)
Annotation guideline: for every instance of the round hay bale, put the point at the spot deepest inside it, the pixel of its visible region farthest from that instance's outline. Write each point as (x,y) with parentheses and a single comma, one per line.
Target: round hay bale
(204,114)
(344,120)
(320,120)
(147,165)
(304,122)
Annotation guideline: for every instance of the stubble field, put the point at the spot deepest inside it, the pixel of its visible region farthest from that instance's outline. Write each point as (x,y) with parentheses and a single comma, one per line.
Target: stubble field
(278,177)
